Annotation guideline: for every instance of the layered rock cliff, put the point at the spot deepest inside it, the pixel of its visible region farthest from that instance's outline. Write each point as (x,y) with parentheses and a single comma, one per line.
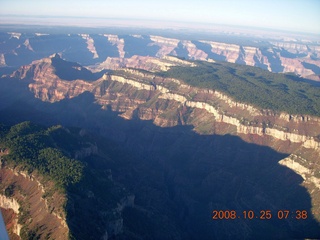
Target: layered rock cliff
(90,43)
(34,214)
(168,102)
(291,55)
(39,205)
(138,90)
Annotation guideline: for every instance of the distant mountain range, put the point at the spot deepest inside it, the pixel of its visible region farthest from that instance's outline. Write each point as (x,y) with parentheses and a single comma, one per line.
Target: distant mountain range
(149,137)
(280,56)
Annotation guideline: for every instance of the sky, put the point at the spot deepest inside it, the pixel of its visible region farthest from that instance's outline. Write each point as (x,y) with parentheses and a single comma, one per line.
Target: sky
(289,15)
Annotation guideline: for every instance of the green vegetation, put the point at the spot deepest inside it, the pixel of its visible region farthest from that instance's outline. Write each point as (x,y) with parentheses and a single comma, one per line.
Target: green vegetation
(62,169)
(261,88)
(33,147)
(87,181)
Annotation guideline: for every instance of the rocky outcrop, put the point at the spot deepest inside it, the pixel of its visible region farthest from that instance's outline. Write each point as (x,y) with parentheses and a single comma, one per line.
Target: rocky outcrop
(90,45)
(230,52)
(245,118)
(141,62)
(219,116)
(281,57)
(294,47)
(169,102)
(118,42)
(139,85)
(308,175)
(284,55)
(15,35)
(28,46)
(115,227)
(29,205)
(309,171)
(2,60)
(167,45)
(194,52)
(11,203)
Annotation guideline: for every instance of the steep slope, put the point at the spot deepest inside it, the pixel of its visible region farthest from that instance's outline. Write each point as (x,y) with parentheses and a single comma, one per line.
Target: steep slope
(37,206)
(149,96)
(171,168)
(292,55)
(33,214)
(201,86)
(50,193)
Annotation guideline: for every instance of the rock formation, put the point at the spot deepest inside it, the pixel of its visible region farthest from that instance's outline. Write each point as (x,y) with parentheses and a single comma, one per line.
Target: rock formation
(31,207)
(292,55)
(144,95)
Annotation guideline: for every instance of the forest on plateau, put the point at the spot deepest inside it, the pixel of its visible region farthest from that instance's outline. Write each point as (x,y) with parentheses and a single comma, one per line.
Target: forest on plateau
(135,154)
(55,154)
(33,147)
(252,85)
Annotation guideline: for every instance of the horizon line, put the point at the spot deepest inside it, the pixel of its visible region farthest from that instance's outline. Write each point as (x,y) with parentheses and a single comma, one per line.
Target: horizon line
(182,24)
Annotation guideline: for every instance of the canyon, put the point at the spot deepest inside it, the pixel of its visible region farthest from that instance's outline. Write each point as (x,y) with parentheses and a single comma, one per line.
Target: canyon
(300,57)
(192,149)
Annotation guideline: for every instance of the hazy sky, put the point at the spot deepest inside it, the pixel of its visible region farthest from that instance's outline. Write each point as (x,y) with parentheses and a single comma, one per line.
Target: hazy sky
(298,15)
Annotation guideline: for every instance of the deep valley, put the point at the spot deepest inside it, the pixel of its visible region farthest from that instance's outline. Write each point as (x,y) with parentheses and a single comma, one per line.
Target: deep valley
(153,134)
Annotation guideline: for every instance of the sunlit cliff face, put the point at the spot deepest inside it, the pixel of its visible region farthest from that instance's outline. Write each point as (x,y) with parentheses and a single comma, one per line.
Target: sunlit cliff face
(169,102)
(138,89)
(107,49)
(159,106)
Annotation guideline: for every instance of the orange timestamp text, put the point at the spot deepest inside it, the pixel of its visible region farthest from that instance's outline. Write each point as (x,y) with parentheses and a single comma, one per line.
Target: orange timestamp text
(262,214)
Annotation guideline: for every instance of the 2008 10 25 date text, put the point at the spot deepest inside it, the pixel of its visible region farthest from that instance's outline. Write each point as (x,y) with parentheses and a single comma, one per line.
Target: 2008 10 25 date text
(262,214)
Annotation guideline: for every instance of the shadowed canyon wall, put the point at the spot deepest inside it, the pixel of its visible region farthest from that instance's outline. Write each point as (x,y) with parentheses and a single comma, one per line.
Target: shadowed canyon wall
(179,176)
(191,150)
(299,57)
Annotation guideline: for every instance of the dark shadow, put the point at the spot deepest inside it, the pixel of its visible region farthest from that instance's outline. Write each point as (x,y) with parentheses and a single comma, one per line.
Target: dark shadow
(7,70)
(300,79)
(141,46)
(73,48)
(71,70)
(104,48)
(208,50)
(287,54)
(76,50)
(8,43)
(274,60)
(21,56)
(242,55)
(258,63)
(314,56)
(312,67)
(181,51)
(179,177)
